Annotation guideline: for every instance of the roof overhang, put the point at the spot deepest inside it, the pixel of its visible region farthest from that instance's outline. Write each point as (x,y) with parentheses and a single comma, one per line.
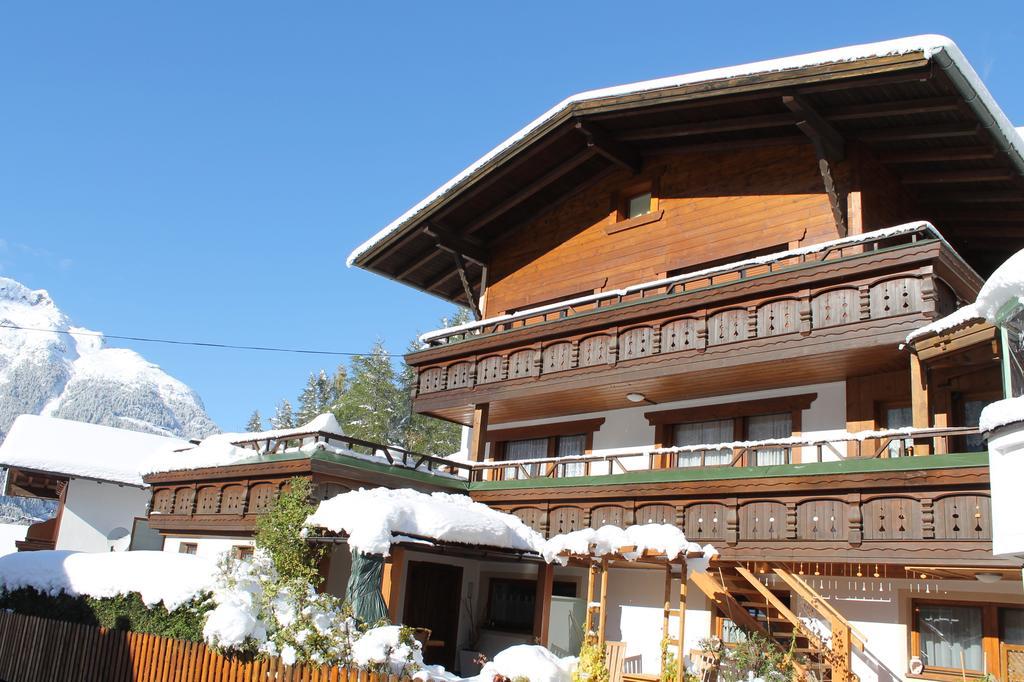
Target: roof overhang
(916,103)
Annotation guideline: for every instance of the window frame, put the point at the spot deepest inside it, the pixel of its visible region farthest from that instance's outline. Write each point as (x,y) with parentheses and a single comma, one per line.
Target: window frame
(550,432)
(188,548)
(242,552)
(991,639)
(488,622)
(619,219)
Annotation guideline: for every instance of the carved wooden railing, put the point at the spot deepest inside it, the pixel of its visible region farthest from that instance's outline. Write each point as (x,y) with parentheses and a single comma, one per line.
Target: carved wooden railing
(884,444)
(688,282)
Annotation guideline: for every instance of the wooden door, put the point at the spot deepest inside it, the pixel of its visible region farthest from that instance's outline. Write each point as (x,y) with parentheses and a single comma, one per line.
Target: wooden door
(433,595)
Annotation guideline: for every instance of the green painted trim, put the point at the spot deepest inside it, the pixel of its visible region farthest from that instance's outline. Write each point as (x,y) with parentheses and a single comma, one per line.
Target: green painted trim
(845,466)
(391,470)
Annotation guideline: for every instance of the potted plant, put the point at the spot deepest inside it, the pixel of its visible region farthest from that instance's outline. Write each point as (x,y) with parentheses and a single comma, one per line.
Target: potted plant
(471,659)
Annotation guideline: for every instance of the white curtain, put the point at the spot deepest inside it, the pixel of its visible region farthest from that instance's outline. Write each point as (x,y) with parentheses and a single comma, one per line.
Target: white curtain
(572,446)
(898,418)
(532,448)
(704,433)
(765,427)
(949,632)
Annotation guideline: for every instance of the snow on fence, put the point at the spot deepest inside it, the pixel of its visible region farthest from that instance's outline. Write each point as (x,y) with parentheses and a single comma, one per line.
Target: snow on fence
(34,649)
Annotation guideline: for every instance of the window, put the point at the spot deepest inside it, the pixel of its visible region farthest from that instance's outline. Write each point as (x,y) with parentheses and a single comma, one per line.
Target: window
(555,441)
(638,205)
(530,448)
(187,548)
(975,442)
(704,433)
(541,448)
(951,637)
(510,602)
(241,552)
(899,417)
(767,427)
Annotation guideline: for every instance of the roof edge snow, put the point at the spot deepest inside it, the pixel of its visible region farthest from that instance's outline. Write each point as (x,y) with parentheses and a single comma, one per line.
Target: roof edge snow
(937,48)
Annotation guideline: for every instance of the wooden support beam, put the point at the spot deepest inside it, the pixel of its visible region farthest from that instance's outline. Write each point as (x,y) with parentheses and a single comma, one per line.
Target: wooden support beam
(681,633)
(722,125)
(440,279)
(972,153)
(992,197)
(955,176)
(918,132)
(478,442)
(471,302)
(927,105)
(826,139)
(454,243)
(391,584)
(415,264)
(602,616)
(919,403)
(530,189)
(958,214)
(542,603)
(613,150)
(830,148)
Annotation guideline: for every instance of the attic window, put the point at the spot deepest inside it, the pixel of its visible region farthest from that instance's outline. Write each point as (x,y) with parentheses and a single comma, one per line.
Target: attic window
(638,205)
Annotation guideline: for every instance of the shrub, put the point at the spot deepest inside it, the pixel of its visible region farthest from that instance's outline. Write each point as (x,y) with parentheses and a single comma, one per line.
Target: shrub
(117,613)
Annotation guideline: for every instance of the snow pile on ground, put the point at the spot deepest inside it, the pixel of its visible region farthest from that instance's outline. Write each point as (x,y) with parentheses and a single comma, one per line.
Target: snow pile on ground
(165,577)
(384,645)
(530,661)
(80,449)
(9,534)
(372,517)
(1000,293)
(660,538)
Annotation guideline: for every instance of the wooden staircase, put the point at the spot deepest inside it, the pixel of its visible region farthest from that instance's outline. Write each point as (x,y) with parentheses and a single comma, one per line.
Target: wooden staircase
(744,597)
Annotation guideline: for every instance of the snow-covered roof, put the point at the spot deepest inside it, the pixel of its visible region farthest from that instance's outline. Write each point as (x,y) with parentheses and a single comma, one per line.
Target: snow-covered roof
(1001,292)
(372,518)
(894,231)
(81,450)
(166,577)
(324,423)
(660,538)
(932,46)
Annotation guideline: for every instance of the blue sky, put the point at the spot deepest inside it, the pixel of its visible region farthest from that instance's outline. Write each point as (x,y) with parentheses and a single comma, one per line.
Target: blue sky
(200,170)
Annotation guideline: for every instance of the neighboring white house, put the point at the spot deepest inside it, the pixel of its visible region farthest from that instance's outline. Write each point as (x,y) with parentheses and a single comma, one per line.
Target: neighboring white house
(92,471)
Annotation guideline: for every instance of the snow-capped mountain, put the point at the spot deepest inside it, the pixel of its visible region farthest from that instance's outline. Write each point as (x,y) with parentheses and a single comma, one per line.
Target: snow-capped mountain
(75,376)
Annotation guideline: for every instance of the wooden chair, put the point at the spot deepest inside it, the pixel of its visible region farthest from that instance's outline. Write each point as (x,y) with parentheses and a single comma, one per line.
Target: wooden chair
(705,665)
(633,665)
(615,657)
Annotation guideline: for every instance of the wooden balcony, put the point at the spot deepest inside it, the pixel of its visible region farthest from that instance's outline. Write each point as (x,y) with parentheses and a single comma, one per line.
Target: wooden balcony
(840,308)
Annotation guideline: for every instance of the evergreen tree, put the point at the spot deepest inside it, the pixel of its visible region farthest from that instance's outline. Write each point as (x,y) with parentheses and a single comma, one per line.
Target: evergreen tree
(338,386)
(308,408)
(371,405)
(422,433)
(255,422)
(324,392)
(283,417)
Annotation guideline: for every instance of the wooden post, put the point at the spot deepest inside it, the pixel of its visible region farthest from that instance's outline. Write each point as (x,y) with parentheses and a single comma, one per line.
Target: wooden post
(680,666)
(919,404)
(478,439)
(603,608)
(542,603)
(391,584)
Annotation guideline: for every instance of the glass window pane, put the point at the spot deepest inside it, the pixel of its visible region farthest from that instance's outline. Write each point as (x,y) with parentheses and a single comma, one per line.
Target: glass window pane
(972,414)
(532,448)
(639,205)
(898,418)
(949,633)
(1013,626)
(572,446)
(766,427)
(704,433)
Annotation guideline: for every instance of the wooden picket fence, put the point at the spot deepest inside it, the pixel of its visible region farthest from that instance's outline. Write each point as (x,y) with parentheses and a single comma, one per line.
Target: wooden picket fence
(36,649)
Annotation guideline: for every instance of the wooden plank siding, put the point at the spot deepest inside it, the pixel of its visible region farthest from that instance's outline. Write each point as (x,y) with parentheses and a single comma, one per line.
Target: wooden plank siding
(716,205)
(34,649)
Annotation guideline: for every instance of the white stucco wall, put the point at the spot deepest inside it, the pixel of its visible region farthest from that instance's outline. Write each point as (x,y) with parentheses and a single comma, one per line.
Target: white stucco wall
(628,428)
(1006,462)
(92,510)
(212,548)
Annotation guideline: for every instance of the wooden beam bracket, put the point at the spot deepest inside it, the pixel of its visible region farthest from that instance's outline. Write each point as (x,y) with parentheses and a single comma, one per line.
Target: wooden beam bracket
(830,148)
(613,150)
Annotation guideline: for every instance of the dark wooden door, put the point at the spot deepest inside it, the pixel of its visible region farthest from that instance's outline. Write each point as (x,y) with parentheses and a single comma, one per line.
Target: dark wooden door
(433,595)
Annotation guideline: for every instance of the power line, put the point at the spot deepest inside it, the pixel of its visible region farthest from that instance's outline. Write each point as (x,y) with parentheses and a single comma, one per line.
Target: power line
(201,344)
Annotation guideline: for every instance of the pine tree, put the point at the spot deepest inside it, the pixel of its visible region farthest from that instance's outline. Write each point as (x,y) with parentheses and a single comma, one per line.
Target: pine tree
(371,405)
(324,392)
(255,422)
(283,417)
(338,386)
(308,408)
(421,433)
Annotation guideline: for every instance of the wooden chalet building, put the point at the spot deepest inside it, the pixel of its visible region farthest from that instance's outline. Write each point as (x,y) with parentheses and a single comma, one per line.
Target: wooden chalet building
(691,298)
